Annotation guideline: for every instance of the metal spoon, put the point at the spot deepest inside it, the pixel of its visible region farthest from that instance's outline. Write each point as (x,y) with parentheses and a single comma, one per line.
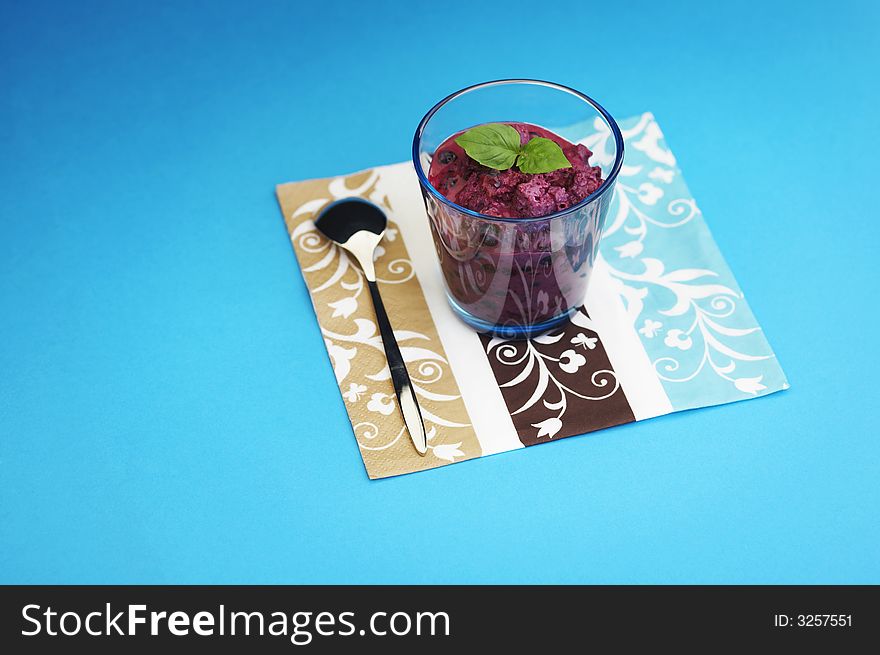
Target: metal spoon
(358,226)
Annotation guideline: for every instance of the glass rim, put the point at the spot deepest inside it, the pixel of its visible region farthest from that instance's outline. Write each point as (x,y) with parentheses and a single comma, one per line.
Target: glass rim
(606,184)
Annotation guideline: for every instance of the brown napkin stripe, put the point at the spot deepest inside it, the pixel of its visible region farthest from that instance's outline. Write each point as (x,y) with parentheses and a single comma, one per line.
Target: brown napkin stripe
(559,384)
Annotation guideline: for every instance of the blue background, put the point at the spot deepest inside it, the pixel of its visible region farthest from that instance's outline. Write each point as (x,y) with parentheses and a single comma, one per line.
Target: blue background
(167,409)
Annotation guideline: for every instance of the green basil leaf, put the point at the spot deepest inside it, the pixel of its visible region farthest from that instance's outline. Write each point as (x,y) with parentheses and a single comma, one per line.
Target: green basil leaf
(542,156)
(494,145)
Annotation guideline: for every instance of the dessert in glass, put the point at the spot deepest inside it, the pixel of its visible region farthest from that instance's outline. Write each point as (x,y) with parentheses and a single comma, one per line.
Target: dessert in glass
(515,209)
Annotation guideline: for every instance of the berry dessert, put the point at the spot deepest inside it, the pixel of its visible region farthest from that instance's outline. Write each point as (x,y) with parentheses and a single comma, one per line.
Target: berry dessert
(511,193)
(510,266)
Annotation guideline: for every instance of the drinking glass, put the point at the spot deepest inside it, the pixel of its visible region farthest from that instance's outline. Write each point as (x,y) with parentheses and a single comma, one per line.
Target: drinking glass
(516,277)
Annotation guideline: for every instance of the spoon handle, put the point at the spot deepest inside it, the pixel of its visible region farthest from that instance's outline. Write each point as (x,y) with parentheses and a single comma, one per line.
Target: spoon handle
(406,395)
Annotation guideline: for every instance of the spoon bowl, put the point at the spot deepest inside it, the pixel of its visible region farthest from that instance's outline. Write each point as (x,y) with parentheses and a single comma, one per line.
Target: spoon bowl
(340,220)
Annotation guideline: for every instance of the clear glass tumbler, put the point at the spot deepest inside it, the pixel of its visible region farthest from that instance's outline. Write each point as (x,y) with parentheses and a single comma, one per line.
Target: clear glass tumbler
(515,277)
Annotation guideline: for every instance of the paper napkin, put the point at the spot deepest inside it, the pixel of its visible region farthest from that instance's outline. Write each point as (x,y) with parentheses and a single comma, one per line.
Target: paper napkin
(664,326)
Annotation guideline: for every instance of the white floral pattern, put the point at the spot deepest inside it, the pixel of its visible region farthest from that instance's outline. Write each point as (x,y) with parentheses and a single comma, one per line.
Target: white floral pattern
(585,342)
(354,393)
(678,339)
(663,262)
(548,427)
(650,328)
(345,307)
(570,361)
(381,403)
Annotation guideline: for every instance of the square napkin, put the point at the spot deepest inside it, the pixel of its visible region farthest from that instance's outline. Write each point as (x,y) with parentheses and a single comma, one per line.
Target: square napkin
(664,326)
